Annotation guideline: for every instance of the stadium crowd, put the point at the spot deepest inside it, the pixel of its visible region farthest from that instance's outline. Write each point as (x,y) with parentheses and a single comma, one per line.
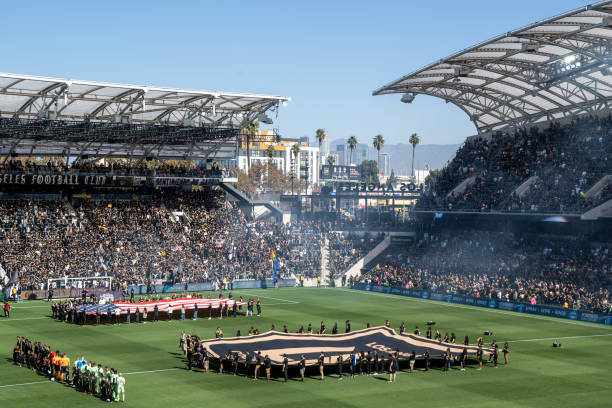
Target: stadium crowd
(499,266)
(346,248)
(566,159)
(173,237)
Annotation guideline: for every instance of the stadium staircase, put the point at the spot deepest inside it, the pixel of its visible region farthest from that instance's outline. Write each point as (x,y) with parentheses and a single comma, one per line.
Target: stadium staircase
(524,187)
(325,278)
(599,186)
(357,266)
(602,210)
(257,209)
(461,187)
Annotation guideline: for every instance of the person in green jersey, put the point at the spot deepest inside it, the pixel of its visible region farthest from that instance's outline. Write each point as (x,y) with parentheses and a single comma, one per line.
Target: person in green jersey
(121,387)
(114,381)
(99,374)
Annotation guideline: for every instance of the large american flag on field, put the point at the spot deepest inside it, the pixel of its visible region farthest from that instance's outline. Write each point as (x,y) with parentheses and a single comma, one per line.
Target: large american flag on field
(162,305)
(92,309)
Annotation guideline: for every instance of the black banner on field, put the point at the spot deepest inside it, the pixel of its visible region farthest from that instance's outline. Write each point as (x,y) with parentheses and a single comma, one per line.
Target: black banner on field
(382,339)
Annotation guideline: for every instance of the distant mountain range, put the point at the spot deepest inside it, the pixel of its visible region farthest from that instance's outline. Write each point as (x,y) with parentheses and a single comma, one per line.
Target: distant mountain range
(432,155)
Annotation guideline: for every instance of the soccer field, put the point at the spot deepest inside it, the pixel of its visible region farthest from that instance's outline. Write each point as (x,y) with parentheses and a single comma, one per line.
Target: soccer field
(576,375)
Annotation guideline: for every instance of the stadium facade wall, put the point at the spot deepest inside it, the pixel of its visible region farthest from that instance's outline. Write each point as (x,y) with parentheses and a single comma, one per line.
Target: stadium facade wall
(490,303)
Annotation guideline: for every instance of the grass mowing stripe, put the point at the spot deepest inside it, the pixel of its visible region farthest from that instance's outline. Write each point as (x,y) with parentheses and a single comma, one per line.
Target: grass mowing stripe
(504,312)
(24,318)
(561,338)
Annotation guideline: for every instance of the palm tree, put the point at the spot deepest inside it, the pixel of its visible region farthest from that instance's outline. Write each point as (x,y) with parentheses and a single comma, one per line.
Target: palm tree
(378,142)
(414,141)
(320,135)
(352,143)
(295,151)
(270,152)
(251,130)
(331,160)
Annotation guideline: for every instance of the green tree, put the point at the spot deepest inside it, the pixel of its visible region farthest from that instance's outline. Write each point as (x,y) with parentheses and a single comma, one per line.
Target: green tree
(250,131)
(378,142)
(368,171)
(270,152)
(320,135)
(331,160)
(352,143)
(392,180)
(295,152)
(414,141)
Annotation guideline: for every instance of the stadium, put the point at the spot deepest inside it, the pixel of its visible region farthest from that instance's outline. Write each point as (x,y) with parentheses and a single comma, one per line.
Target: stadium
(173,246)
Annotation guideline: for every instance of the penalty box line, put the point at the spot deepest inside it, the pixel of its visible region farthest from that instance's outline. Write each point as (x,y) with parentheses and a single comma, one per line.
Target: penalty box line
(475,308)
(285,301)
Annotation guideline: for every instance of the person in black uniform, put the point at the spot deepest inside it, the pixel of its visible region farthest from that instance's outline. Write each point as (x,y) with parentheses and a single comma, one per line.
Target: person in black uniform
(463,358)
(427,361)
(352,358)
(98,315)
(302,366)
(479,357)
(268,365)
(322,328)
(235,362)
(285,330)
(361,362)
(258,305)
(322,365)
(258,363)
(369,363)
(506,351)
(375,358)
(335,328)
(495,353)
(428,333)
(189,358)
(248,361)
(348,327)
(402,328)
(155,313)
(285,367)
(339,361)
(417,332)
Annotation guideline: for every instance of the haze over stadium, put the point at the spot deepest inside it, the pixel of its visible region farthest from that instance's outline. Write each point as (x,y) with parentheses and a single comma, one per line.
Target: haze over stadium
(171,233)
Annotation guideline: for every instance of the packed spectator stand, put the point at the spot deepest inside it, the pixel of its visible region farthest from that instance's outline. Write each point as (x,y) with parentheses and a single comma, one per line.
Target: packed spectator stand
(566,160)
(527,269)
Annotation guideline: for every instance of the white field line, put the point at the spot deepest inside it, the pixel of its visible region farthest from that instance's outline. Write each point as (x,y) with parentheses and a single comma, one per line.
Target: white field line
(485,309)
(270,297)
(28,383)
(135,372)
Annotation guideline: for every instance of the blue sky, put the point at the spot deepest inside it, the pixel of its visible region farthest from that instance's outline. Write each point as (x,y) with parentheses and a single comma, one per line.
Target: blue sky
(327,55)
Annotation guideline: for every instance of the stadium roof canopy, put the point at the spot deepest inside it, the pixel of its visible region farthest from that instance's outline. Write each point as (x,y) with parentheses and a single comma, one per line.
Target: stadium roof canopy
(50,116)
(548,70)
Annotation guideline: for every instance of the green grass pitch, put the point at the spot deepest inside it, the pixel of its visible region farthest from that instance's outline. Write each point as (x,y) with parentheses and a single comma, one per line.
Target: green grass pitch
(577,375)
